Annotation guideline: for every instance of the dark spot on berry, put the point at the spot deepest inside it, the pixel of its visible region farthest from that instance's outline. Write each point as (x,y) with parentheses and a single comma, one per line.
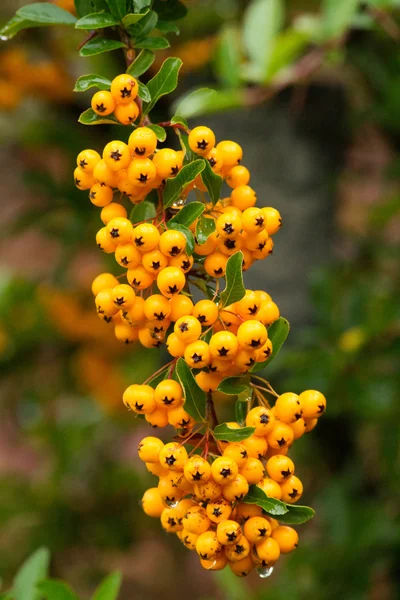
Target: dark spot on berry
(212,161)
(261,246)
(83,163)
(114,232)
(160,316)
(228,228)
(155,265)
(244,454)
(139,241)
(100,108)
(231,537)
(293,493)
(204,556)
(77,181)
(321,408)
(223,351)
(230,244)
(119,301)
(197,476)
(142,178)
(281,442)
(202,318)
(107,319)
(173,289)
(253,310)
(197,358)
(255,343)
(116,155)
(286,473)
(126,93)
(167,401)
(262,532)
(298,415)
(264,419)
(175,250)
(182,424)
(92,195)
(140,151)
(136,282)
(174,170)
(170,460)
(171,521)
(239,549)
(218,271)
(139,406)
(251,362)
(202,144)
(185,265)
(267,352)
(225,473)
(183,327)
(217,512)
(260,221)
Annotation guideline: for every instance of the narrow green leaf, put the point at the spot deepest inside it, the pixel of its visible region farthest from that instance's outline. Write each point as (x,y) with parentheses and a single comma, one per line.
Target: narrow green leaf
(188,235)
(14,26)
(234,289)
(144,93)
(100,45)
(227,57)
(85,82)
(241,409)
(233,386)
(96,21)
(143,211)
(132,18)
(296,514)
(164,82)
(108,588)
(273,507)
(277,333)
(263,20)
(118,8)
(337,16)
(89,117)
(167,27)
(213,183)
(142,62)
(145,26)
(153,43)
(175,185)
(33,570)
(46,14)
(52,589)
(189,213)
(204,228)
(192,104)
(159,131)
(171,10)
(195,398)
(227,434)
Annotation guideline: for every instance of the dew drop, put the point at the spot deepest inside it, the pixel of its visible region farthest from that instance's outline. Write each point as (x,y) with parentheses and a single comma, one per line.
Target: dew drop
(265,572)
(4,38)
(211,565)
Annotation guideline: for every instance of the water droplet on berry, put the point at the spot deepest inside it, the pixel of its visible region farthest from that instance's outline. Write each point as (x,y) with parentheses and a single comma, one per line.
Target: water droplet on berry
(172,503)
(265,572)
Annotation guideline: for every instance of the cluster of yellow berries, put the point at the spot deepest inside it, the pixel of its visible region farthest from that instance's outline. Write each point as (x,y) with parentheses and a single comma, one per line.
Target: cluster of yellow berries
(203,499)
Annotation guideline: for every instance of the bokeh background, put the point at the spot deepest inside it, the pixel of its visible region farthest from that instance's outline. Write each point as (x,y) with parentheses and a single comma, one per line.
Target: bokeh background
(321,137)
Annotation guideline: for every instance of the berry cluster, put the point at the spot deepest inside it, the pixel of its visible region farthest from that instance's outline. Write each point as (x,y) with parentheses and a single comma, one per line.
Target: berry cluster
(202,499)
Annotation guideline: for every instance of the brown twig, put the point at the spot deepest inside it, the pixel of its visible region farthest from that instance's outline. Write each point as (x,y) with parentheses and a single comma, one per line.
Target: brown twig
(87,39)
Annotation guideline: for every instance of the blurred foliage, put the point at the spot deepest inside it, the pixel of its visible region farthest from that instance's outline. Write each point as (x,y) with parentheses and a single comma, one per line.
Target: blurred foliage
(68,469)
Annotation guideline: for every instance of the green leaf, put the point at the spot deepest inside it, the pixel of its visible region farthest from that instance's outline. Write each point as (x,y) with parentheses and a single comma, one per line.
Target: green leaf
(195,398)
(144,93)
(145,26)
(234,289)
(204,228)
(164,82)
(52,589)
(153,43)
(167,27)
(96,21)
(273,507)
(213,182)
(33,570)
(233,386)
(227,57)
(296,514)
(132,18)
(108,588)
(287,48)
(241,409)
(99,45)
(189,213)
(192,104)
(118,8)
(14,26)
(159,131)
(171,10)
(143,211)
(219,100)
(263,20)
(277,333)
(227,434)
(142,62)
(337,16)
(175,185)
(178,120)
(85,82)
(46,14)
(188,235)
(140,4)
(85,7)
(89,117)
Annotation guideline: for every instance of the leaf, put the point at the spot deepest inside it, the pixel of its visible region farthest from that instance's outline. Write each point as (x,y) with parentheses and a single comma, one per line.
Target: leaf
(159,131)
(118,8)
(142,62)
(46,14)
(225,433)
(100,45)
(167,27)
(234,289)
(296,514)
(213,182)
(145,26)
(143,211)
(33,570)
(144,93)
(287,48)
(153,43)
(241,409)
(277,333)
(85,82)
(14,26)
(191,104)
(189,213)
(233,386)
(96,21)
(89,117)
(188,235)
(204,228)
(263,19)
(164,82)
(140,4)
(175,185)
(195,398)
(227,57)
(108,588)
(272,506)
(337,16)
(56,590)
(171,10)
(220,100)
(132,18)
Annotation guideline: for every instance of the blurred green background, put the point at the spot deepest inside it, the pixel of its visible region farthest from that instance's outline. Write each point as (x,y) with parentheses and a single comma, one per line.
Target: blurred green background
(320,125)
